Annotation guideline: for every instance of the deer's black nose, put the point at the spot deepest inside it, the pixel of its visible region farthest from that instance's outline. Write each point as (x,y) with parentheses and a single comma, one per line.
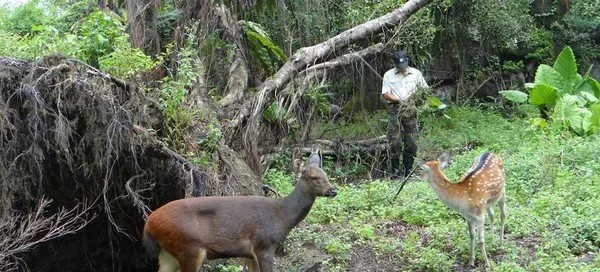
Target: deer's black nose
(331,192)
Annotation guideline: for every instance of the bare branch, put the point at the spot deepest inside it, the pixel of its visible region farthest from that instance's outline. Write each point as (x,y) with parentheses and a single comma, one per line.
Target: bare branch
(22,233)
(346,59)
(138,200)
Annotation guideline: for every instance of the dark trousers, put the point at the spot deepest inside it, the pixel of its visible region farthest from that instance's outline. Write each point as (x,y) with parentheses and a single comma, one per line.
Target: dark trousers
(402,136)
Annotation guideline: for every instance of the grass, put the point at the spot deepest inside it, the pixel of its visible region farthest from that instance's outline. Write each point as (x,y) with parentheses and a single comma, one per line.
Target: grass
(553,224)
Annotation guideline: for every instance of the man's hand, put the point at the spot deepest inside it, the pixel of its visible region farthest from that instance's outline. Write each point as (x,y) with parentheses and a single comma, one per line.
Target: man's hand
(391,98)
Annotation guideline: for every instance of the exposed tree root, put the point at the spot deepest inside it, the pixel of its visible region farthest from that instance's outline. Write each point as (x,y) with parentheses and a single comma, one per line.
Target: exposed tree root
(70,133)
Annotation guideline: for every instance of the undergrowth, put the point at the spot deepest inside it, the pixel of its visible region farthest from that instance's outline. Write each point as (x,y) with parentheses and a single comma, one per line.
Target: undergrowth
(98,38)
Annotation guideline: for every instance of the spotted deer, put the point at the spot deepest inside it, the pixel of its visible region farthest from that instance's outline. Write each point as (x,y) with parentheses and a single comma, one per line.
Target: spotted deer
(481,187)
(184,233)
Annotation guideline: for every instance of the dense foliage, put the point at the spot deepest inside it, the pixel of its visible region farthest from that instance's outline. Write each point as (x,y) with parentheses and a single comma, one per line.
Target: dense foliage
(480,42)
(98,38)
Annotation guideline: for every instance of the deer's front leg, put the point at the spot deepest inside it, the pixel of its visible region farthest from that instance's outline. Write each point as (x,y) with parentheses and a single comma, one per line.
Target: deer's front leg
(490,213)
(265,260)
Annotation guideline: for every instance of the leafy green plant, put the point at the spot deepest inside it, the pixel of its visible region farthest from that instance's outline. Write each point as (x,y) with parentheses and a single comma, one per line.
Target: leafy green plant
(9,44)
(25,18)
(362,230)
(262,47)
(272,113)
(229,268)
(275,113)
(280,180)
(211,142)
(337,247)
(512,66)
(318,97)
(70,15)
(574,98)
(174,92)
(126,61)
(100,32)
(434,104)
(98,38)
(515,96)
(177,119)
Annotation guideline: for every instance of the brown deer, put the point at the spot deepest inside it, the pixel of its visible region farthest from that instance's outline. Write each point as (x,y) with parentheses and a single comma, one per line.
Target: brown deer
(183,233)
(478,191)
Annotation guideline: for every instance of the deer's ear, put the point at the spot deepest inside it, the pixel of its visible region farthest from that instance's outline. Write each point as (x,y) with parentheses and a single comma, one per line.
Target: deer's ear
(303,171)
(444,159)
(309,172)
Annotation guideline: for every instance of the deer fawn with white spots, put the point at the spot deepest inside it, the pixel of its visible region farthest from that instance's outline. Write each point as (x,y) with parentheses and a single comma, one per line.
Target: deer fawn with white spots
(478,191)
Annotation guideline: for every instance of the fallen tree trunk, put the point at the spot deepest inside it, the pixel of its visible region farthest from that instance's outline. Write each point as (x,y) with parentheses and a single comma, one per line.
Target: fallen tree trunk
(333,147)
(373,153)
(345,59)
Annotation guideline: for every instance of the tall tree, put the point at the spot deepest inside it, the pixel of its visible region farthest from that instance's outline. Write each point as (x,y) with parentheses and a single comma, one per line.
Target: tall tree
(143,30)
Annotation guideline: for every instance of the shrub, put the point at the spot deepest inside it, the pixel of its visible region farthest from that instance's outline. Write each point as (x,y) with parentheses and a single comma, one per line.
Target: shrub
(99,33)
(25,18)
(574,98)
(126,61)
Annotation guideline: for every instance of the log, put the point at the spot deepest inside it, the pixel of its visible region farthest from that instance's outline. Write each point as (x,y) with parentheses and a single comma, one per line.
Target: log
(332,147)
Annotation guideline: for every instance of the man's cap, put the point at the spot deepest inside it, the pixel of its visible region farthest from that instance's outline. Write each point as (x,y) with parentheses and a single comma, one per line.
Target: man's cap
(400,57)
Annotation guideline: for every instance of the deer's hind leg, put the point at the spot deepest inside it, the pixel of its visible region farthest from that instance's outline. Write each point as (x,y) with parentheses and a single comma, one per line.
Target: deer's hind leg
(471,228)
(167,262)
(481,240)
(192,262)
(253,262)
(252,265)
(502,204)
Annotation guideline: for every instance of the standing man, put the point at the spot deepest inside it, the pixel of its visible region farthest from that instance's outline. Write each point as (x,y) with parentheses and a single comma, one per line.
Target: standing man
(400,88)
